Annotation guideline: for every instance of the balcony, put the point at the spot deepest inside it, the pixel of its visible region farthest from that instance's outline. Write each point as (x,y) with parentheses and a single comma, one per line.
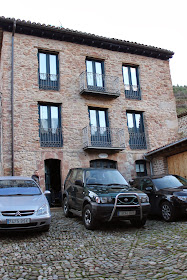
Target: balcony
(137,141)
(51,137)
(48,81)
(132,92)
(98,84)
(103,138)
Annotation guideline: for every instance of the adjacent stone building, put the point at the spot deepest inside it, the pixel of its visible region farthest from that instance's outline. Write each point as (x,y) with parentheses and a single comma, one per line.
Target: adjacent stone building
(71,99)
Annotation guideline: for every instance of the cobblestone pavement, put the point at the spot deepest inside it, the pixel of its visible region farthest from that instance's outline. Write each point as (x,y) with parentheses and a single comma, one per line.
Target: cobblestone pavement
(116,251)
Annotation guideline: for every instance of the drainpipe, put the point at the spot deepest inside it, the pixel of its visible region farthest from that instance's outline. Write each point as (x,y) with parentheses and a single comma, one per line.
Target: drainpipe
(12,94)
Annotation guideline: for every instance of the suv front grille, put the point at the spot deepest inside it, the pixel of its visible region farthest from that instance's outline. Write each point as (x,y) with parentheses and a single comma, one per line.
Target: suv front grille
(17,213)
(126,200)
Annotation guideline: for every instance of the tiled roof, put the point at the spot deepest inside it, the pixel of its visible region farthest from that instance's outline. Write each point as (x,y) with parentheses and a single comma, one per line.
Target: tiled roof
(74,36)
(182,141)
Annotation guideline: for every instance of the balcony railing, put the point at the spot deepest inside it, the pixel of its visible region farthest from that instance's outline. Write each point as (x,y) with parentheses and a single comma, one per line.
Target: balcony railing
(132,92)
(51,137)
(92,83)
(137,140)
(104,138)
(48,81)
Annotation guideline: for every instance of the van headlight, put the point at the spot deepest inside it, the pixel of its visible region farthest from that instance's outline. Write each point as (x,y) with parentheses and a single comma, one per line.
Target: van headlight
(103,199)
(144,199)
(183,198)
(43,210)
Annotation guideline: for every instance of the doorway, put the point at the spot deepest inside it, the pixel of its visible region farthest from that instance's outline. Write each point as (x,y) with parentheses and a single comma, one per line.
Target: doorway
(53,181)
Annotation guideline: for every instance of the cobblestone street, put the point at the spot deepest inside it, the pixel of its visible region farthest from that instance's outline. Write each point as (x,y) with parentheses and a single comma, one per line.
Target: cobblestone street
(115,251)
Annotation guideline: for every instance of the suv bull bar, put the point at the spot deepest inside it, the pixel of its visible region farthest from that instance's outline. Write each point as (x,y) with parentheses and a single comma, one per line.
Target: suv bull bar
(126,194)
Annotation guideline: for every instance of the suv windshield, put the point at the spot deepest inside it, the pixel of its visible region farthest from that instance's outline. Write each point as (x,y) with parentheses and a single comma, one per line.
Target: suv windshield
(104,177)
(18,187)
(169,181)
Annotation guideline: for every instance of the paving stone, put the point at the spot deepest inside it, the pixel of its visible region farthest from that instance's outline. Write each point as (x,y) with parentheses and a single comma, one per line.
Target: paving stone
(115,251)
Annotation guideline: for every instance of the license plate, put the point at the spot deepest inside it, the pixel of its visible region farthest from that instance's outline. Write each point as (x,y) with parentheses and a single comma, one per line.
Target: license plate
(126,213)
(18,221)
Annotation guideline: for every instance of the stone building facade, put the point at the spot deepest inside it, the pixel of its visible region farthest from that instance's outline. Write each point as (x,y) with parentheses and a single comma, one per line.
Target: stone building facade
(71,99)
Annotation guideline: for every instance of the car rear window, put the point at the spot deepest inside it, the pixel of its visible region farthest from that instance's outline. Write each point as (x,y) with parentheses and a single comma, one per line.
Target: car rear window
(19,187)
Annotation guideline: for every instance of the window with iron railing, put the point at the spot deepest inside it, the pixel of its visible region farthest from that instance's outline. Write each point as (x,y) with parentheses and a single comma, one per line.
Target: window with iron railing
(131,82)
(50,126)
(135,124)
(95,75)
(48,71)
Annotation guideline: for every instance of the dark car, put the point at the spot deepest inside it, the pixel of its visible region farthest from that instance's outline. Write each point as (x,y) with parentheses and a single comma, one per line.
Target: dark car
(99,195)
(167,194)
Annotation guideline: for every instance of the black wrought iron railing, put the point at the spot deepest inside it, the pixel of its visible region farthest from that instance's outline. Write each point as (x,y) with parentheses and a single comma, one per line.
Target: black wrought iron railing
(51,137)
(132,92)
(48,81)
(137,140)
(99,83)
(103,137)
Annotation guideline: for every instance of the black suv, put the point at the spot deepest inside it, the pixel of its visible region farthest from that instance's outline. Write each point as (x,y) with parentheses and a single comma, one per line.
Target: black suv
(167,194)
(101,195)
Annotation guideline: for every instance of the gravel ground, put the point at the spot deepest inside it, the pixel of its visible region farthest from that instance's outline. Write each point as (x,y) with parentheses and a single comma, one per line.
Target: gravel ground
(116,251)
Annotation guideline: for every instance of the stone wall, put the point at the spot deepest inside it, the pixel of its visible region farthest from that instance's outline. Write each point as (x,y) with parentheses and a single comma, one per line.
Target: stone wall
(182,120)
(158,105)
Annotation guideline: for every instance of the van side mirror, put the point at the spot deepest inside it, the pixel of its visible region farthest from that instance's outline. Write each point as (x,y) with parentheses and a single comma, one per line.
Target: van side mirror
(47,192)
(149,189)
(79,183)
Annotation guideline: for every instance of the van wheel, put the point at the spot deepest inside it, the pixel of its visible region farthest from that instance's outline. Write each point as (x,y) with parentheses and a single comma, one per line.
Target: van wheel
(88,219)
(167,212)
(67,213)
(138,223)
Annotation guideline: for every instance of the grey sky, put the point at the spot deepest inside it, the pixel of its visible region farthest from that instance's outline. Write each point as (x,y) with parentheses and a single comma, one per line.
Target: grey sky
(160,23)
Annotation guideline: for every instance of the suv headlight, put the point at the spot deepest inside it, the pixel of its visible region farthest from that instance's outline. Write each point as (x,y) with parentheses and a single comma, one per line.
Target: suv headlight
(183,198)
(103,199)
(43,210)
(144,199)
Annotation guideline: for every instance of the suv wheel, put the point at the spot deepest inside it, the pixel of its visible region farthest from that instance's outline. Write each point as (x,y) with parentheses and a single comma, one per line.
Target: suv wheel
(88,219)
(138,222)
(67,213)
(167,211)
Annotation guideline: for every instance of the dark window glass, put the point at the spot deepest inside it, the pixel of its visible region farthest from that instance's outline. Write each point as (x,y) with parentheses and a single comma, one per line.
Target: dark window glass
(50,126)
(136,130)
(146,183)
(48,71)
(131,82)
(141,168)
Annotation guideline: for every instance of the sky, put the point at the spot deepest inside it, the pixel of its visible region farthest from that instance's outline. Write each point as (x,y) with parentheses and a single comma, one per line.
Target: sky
(158,23)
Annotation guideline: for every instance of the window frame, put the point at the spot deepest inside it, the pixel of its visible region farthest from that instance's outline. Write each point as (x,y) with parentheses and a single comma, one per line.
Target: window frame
(59,140)
(137,139)
(95,86)
(47,83)
(131,93)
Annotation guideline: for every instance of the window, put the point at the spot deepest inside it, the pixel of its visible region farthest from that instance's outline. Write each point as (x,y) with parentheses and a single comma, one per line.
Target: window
(99,125)
(136,130)
(48,71)
(50,126)
(131,82)
(103,163)
(95,75)
(141,168)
